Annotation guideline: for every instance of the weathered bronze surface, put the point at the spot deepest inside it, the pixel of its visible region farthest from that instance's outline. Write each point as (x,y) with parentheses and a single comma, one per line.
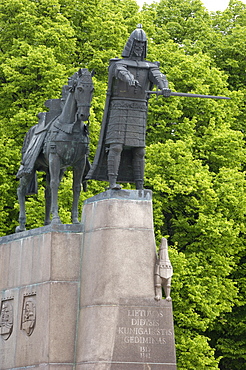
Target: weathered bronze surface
(59,140)
(120,152)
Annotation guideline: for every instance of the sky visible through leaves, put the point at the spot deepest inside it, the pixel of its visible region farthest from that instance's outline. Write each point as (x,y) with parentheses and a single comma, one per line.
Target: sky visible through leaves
(211,5)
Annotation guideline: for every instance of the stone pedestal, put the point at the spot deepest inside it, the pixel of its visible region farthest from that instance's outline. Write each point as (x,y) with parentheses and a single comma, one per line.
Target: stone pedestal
(82,296)
(121,325)
(39,292)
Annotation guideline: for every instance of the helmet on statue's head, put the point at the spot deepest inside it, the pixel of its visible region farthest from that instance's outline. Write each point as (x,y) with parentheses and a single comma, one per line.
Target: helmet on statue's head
(138,36)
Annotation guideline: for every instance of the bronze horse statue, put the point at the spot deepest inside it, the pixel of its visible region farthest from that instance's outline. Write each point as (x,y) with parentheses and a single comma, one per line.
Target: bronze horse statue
(59,140)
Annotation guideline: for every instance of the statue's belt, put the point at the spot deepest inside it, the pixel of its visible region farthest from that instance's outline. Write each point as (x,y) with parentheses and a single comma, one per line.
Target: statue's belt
(128,104)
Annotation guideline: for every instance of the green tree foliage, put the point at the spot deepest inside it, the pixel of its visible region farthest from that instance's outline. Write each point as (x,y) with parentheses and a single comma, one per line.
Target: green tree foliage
(195,155)
(195,166)
(230,55)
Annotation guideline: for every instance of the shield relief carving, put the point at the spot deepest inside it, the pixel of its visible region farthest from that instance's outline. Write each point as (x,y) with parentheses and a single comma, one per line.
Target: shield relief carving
(6,318)
(28,315)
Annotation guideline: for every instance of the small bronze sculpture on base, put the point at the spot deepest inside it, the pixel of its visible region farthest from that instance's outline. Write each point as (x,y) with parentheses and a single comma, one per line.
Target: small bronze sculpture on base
(163,272)
(58,141)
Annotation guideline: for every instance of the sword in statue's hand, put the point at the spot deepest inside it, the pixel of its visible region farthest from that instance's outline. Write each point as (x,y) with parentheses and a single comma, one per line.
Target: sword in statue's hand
(167,92)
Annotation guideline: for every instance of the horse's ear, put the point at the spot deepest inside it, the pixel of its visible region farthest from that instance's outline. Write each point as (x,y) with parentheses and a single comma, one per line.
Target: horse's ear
(93,72)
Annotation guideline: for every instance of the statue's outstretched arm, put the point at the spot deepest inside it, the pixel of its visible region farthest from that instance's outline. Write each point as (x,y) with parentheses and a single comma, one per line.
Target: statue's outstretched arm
(160,80)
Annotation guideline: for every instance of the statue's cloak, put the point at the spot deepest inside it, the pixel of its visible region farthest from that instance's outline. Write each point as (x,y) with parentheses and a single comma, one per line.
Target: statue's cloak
(34,139)
(32,146)
(33,143)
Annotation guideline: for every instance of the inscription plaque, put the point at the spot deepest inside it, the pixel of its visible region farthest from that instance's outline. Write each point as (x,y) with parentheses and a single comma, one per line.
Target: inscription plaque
(144,335)
(28,315)
(6,318)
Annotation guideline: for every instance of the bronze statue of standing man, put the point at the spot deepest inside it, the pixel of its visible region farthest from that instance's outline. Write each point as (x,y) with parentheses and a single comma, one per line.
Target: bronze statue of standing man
(121,148)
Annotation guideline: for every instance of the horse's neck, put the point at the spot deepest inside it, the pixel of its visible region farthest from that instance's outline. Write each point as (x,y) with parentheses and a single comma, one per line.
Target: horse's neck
(69,110)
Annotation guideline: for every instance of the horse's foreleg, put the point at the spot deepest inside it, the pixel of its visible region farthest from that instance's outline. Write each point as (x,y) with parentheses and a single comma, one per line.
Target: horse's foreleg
(54,167)
(21,193)
(47,200)
(78,171)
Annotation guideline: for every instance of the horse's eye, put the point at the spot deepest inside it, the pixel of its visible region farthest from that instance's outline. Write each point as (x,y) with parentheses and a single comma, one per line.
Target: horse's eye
(80,88)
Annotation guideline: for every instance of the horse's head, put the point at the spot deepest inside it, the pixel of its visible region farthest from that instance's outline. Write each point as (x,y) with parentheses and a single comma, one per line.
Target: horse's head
(83,89)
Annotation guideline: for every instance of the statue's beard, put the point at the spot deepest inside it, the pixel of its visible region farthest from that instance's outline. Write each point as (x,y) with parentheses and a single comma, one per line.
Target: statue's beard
(138,54)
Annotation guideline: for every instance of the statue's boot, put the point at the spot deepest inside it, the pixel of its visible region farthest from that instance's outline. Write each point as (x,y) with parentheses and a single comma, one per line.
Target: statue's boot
(114,156)
(112,183)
